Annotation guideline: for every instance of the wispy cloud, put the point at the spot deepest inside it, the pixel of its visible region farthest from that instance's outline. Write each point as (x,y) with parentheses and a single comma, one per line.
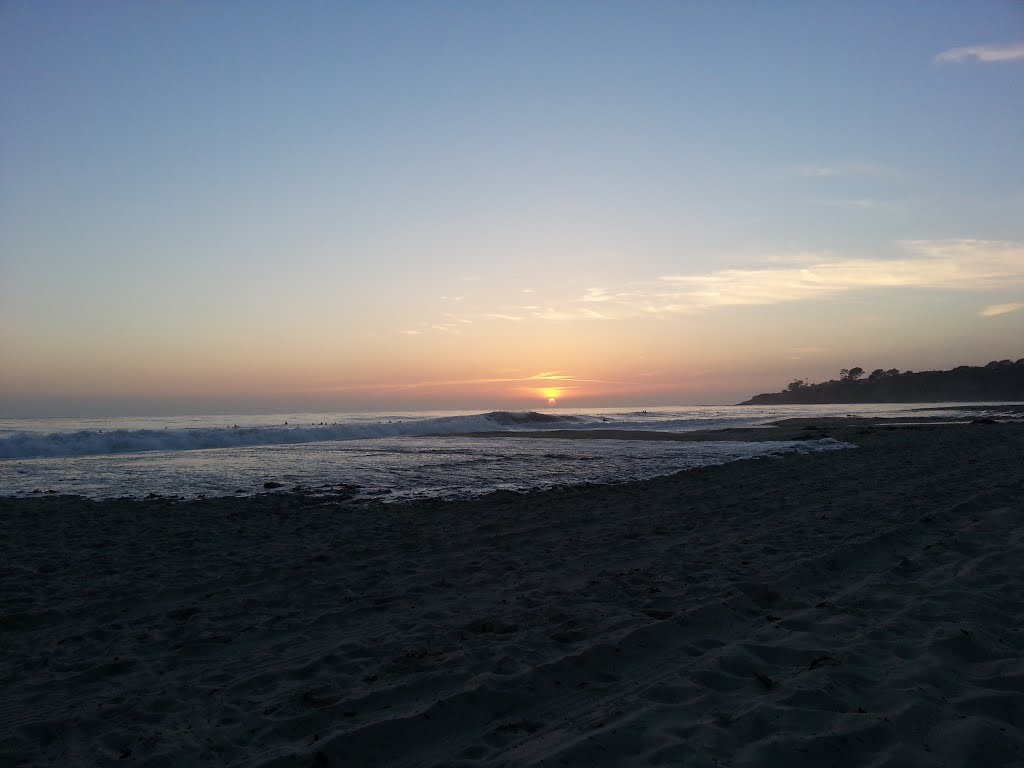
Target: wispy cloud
(956,265)
(550,376)
(596,295)
(799,353)
(861,203)
(568,313)
(558,378)
(816,171)
(1001,309)
(985,53)
(501,316)
(845,169)
(941,264)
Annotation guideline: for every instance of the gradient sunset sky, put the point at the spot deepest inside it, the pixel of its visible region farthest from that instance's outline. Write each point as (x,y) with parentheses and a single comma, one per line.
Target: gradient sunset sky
(268,206)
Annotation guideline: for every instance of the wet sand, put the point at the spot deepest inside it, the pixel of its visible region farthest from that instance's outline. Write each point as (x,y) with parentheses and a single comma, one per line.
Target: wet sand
(848,608)
(801,428)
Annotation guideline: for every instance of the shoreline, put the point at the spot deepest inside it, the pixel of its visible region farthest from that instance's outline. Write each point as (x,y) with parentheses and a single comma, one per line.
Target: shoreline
(797,428)
(855,605)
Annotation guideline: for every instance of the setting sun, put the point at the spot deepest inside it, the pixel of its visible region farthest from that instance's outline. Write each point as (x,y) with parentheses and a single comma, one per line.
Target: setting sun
(551,394)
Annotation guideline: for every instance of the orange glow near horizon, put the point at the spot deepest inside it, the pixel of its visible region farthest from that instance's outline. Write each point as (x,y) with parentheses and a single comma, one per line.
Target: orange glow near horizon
(551,394)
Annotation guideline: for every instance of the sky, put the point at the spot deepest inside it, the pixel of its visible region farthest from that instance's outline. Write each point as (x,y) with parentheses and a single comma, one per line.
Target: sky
(330,206)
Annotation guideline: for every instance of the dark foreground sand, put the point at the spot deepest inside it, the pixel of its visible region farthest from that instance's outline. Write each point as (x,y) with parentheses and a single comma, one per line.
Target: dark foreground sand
(853,608)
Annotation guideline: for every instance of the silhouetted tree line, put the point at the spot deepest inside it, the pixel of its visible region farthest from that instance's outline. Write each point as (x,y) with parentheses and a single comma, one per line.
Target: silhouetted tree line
(999,380)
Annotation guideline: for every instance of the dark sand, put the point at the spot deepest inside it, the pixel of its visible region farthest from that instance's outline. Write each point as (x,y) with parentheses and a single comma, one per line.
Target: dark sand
(803,428)
(848,608)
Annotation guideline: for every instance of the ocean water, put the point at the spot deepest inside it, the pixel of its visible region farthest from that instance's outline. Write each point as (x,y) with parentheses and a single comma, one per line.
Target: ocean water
(389,456)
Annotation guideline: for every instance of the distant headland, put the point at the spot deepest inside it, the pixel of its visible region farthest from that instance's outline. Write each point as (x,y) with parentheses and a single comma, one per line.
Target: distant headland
(999,380)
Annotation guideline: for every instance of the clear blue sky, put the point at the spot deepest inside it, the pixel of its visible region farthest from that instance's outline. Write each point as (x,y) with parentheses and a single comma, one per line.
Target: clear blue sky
(338,205)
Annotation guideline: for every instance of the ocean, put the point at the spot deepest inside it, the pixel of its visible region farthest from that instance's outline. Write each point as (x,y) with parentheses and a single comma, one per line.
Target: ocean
(387,456)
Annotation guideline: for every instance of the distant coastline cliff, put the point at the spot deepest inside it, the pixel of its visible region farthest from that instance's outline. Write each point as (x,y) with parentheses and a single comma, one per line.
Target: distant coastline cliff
(999,380)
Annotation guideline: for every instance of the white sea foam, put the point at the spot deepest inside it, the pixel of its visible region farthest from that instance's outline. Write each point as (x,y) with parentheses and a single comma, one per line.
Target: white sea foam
(54,438)
(24,445)
(397,455)
(387,468)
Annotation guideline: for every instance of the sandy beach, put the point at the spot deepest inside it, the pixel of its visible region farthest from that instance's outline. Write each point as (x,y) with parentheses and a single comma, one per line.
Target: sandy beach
(849,608)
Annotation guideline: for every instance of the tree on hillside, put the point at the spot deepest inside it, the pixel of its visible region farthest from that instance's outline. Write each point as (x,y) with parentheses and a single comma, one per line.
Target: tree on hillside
(1001,380)
(851,374)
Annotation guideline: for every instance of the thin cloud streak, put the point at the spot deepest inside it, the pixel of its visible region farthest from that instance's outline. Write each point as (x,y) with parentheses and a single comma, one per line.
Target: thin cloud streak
(863,203)
(500,316)
(984,53)
(554,377)
(958,265)
(1001,309)
(815,171)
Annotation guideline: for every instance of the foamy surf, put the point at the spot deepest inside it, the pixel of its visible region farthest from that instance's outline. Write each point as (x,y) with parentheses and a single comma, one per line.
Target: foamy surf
(398,455)
(55,438)
(25,445)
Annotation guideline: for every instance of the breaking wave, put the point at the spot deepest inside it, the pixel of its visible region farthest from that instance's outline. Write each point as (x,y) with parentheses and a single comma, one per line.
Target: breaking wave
(27,445)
